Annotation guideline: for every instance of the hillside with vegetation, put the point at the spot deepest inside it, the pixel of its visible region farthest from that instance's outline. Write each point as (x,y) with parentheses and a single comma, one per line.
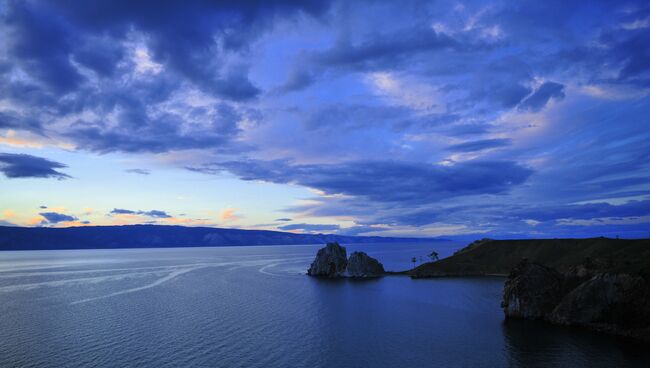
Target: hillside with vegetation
(499,257)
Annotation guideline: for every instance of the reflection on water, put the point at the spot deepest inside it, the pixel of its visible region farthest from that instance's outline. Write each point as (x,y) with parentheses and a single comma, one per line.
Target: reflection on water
(254,307)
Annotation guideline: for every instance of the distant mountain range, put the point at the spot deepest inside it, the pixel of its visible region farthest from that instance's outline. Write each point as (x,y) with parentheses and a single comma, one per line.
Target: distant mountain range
(158,236)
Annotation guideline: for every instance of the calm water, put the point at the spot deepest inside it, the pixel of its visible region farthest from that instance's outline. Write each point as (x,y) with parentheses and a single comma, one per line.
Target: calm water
(254,307)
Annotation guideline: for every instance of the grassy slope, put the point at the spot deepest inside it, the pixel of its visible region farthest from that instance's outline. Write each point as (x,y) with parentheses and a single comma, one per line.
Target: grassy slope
(500,256)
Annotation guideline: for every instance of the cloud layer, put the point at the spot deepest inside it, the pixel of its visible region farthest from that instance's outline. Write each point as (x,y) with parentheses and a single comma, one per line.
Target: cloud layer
(424,118)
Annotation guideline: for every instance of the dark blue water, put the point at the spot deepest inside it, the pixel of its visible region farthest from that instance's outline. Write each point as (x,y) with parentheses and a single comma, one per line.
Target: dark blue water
(254,307)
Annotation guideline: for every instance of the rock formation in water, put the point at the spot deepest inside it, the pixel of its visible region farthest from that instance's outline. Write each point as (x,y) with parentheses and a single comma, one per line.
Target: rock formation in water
(362,265)
(330,261)
(615,303)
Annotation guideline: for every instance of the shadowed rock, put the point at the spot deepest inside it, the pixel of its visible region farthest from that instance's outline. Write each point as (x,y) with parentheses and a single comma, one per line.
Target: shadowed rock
(330,261)
(610,302)
(362,265)
(604,298)
(532,291)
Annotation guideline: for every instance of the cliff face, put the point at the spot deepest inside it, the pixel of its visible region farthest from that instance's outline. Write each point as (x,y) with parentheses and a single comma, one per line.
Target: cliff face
(362,265)
(532,291)
(331,262)
(615,303)
(597,283)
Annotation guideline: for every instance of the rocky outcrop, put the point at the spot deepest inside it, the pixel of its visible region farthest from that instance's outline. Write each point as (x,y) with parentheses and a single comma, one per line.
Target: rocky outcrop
(362,265)
(531,291)
(330,262)
(605,298)
(615,303)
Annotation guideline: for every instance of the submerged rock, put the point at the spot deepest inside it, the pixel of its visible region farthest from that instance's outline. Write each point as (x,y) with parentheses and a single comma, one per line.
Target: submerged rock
(531,291)
(330,261)
(362,265)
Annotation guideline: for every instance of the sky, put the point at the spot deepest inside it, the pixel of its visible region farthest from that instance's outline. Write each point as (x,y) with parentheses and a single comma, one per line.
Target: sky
(409,118)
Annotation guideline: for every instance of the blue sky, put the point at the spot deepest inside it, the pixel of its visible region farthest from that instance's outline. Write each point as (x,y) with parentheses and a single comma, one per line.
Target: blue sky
(419,118)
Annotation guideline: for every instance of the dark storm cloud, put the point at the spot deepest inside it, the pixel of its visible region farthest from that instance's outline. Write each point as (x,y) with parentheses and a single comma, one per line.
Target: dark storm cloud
(42,43)
(387,181)
(283,219)
(54,217)
(152,213)
(79,58)
(14,165)
(182,36)
(310,227)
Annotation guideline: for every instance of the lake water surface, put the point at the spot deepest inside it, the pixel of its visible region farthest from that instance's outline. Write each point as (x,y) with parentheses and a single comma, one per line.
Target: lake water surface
(254,307)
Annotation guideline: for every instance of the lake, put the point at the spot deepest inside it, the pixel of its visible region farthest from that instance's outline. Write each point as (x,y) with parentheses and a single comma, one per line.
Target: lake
(255,307)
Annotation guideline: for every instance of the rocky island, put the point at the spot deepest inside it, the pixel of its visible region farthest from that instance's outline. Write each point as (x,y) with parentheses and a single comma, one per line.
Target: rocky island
(332,262)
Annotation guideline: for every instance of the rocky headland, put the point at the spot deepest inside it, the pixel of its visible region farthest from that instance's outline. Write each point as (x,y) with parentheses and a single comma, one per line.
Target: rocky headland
(598,283)
(499,257)
(617,303)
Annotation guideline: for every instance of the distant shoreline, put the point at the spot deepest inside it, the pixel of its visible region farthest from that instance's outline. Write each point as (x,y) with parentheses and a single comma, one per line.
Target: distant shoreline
(168,236)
